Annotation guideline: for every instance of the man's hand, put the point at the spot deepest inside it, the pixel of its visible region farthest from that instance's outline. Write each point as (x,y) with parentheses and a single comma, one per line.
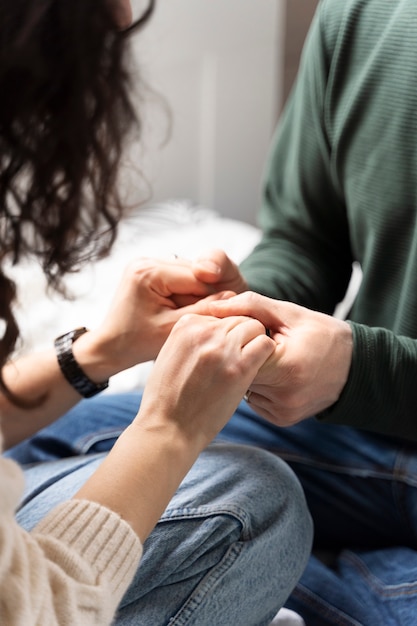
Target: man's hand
(310,365)
(201,374)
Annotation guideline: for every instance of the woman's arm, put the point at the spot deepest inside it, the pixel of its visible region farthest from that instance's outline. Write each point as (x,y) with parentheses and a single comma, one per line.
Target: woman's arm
(72,569)
(77,563)
(140,318)
(199,377)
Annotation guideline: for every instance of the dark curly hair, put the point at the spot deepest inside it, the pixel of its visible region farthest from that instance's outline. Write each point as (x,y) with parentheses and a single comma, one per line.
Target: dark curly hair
(65,112)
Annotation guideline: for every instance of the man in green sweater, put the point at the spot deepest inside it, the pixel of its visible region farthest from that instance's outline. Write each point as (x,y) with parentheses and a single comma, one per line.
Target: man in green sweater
(341,187)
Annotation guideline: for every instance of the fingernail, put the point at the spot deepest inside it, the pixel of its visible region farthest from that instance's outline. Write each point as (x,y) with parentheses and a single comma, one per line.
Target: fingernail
(226,295)
(209,266)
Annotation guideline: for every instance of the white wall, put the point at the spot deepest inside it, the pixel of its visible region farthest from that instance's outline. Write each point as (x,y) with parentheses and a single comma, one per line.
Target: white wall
(218,65)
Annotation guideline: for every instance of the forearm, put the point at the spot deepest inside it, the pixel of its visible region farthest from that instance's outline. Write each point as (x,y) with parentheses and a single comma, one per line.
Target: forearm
(197,381)
(141,474)
(136,326)
(37,379)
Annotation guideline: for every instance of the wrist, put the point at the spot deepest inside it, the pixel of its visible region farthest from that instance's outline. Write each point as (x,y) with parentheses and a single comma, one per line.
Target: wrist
(342,351)
(94,356)
(71,369)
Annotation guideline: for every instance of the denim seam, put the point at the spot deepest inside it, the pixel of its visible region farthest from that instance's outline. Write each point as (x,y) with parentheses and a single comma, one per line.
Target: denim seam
(84,444)
(43,486)
(384,591)
(399,488)
(395,474)
(400,474)
(323,608)
(208,584)
(210,511)
(337,469)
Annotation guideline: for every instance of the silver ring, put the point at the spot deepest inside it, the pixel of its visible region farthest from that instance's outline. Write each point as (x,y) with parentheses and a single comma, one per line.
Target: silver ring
(247,395)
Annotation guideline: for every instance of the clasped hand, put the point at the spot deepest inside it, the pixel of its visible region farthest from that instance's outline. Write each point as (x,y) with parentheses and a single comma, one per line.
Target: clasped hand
(201,374)
(305,373)
(310,364)
(152,296)
(313,352)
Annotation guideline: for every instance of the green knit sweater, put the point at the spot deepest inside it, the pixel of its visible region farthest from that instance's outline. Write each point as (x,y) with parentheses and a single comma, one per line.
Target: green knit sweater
(341,187)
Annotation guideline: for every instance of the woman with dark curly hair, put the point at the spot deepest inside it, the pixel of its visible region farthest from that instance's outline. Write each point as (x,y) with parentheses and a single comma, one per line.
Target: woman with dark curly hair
(70,546)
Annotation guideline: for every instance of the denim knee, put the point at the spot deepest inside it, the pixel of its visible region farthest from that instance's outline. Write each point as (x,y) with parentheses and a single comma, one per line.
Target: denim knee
(230,546)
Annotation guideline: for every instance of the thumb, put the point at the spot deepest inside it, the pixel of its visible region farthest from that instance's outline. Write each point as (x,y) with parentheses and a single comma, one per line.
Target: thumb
(214,266)
(249,304)
(203,306)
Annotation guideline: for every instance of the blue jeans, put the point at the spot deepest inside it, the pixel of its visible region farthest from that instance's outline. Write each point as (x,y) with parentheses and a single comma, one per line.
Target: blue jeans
(361,489)
(230,546)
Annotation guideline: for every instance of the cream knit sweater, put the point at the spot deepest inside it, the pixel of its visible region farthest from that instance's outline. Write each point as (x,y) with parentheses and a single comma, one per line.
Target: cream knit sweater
(71,570)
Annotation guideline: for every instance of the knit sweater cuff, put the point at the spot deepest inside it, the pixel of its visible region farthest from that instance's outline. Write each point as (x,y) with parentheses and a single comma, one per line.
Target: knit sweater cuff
(106,543)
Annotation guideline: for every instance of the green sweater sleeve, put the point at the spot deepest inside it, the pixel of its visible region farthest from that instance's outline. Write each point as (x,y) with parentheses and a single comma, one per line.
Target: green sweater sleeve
(304,255)
(381,392)
(341,187)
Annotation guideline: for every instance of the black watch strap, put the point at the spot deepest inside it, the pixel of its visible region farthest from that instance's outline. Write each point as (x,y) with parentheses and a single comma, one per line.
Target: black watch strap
(70,368)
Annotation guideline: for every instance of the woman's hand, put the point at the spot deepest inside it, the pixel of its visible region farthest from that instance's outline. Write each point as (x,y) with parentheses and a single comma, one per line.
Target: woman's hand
(201,374)
(216,269)
(310,364)
(143,311)
(151,298)
(197,382)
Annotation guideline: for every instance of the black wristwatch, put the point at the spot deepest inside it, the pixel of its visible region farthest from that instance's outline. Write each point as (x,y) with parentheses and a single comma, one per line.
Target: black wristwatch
(70,368)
